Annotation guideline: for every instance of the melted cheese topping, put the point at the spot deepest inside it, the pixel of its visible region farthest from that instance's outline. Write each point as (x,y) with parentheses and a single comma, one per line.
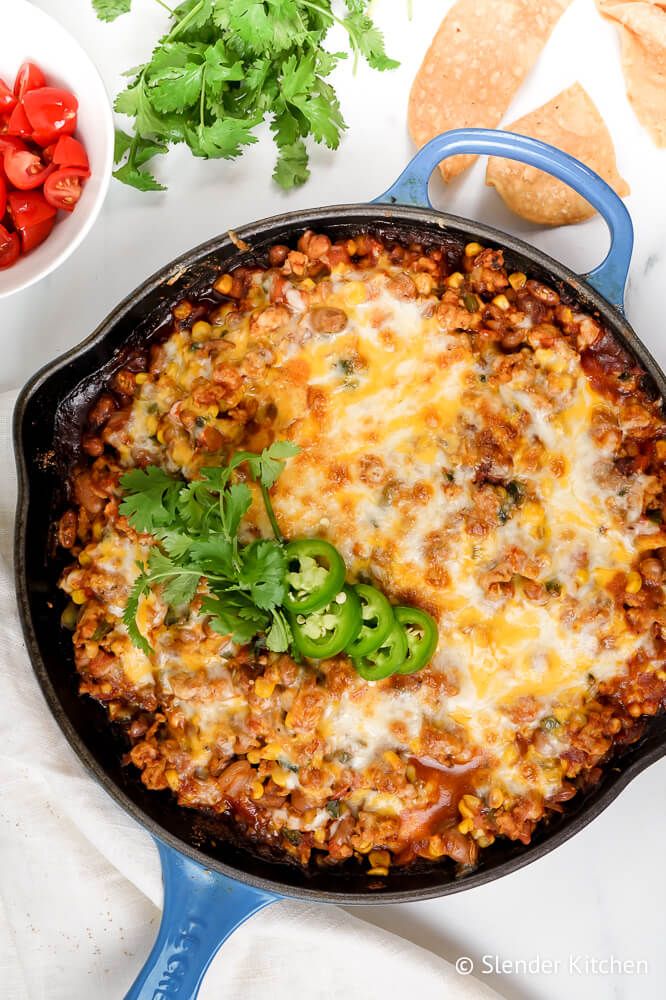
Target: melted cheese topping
(458,479)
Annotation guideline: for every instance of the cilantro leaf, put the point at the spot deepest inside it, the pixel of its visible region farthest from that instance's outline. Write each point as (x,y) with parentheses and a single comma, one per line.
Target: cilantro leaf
(141,587)
(234,614)
(150,497)
(291,168)
(109,10)
(271,461)
(279,635)
(226,66)
(264,568)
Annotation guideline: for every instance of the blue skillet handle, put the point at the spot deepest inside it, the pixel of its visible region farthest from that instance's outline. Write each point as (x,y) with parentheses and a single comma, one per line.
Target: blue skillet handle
(201,910)
(411,188)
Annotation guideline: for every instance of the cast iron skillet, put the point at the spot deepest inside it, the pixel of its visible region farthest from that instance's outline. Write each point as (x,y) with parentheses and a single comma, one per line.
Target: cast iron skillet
(213,881)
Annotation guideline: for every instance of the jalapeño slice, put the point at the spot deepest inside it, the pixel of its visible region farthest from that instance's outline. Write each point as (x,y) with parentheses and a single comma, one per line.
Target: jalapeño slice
(315,574)
(378,620)
(385,660)
(422,636)
(326,632)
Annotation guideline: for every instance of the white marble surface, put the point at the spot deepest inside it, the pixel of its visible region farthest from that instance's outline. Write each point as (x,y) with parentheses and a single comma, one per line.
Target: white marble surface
(601,895)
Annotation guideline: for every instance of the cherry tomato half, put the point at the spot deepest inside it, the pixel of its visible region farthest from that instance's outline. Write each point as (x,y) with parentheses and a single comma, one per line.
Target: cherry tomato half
(9,248)
(32,216)
(11,142)
(3,194)
(29,77)
(51,112)
(63,188)
(25,170)
(18,123)
(7,99)
(69,152)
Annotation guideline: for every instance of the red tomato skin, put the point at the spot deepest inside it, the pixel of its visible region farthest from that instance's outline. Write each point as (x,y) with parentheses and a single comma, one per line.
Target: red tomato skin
(3,197)
(29,77)
(32,216)
(7,99)
(19,124)
(69,152)
(51,112)
(57,198)
(19,167)
(9,248)
(11,142)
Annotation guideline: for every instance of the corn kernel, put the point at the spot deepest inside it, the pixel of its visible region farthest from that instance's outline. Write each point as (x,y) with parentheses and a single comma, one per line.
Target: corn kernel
(466,825)
(85,559)
(392,758)
(79,596)
(496,798)
(355,292)
(181,453)
(151,425)
(263,687)
(378,871)
(224,284)
(182,310)
(472,249)
(517,280)
(364,847)
(308,284)
(566,316)
(423,284)
(660,449)
(634,582)
(468,804)
(201,330)
(455,280)
(319,835)
(254,756)
(141,378)
(410,773)
(256,790)
(161,435)
(172,779)
(97,530)
(351,247)
(280,775)
(484,840)
(582,576)
(511,755)
(604,576)
(436,847)
(271,751)
(380,859)
(501,302)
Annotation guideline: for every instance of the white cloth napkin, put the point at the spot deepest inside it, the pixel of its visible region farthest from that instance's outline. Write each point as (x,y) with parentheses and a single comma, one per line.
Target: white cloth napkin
(80,886)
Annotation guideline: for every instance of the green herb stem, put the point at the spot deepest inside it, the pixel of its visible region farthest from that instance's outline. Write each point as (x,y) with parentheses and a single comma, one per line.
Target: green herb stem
(271,513)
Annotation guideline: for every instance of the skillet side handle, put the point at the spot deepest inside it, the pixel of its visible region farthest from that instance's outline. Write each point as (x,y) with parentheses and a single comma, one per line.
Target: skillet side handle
(201,910)
(411,188)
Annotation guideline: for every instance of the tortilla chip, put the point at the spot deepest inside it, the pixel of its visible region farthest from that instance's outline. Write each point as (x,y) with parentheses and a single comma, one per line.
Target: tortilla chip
(571,122)
(642,26)
(478,59)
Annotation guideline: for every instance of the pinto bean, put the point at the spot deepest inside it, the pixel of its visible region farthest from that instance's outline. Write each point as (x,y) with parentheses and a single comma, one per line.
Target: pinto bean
(543,293)
(277,255)
(271,318)
(100,412)
(326,319)
(86,494)
(67,527)
(235,778)
(652,571)
(402,287)
(211,439)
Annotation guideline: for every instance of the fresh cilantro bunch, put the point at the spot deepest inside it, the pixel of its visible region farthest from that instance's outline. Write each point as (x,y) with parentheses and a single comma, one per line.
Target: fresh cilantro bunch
(197,526)
(225,66)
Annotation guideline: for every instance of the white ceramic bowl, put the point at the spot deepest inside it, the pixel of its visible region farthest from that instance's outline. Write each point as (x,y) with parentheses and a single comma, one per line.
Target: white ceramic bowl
(27,33)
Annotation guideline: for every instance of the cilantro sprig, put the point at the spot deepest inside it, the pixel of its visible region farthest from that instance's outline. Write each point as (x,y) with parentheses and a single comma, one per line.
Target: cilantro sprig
(196,525)
(226,66)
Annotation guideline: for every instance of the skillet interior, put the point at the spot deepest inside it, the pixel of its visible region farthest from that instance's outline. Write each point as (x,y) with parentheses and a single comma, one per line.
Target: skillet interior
(48,419)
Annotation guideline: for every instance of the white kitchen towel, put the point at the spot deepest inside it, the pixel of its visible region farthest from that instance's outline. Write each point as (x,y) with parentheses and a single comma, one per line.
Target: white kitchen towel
(80,886)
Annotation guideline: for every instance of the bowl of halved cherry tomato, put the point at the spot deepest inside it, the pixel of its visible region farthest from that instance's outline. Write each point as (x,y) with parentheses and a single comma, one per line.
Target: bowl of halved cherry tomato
(56,146)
